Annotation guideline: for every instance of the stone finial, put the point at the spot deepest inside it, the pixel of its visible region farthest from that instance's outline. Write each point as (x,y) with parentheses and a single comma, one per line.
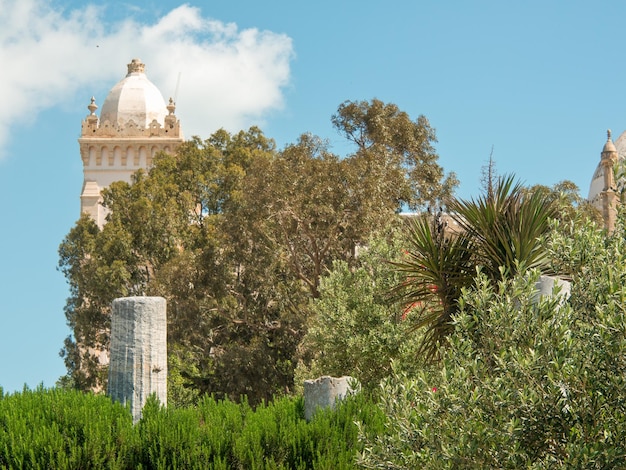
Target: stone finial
(92,106)
(609,146)
(91,121)
(136,66)
(170,119)
(171,107)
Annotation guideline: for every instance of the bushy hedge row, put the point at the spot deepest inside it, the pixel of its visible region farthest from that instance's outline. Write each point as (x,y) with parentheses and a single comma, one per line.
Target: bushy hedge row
(54,428)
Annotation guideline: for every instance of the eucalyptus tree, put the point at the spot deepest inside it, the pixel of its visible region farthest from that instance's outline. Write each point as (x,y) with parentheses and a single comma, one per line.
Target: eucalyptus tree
(395,156)
(163,236)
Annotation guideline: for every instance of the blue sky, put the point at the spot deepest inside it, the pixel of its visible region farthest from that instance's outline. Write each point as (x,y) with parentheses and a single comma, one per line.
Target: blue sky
(537,81)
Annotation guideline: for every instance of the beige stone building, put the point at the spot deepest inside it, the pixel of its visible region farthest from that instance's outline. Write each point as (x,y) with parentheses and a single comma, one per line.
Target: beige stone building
(134,124)
(605,188)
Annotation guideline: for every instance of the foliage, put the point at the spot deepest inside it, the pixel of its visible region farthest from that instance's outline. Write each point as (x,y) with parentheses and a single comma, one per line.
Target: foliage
(166,235)
(524,383)
(395,155)
(507,228)
(354,329)
(501,233)
(65,429)
(569,204)
(619,171)
(96,271)
(301,203)
(435,268)
(236,236)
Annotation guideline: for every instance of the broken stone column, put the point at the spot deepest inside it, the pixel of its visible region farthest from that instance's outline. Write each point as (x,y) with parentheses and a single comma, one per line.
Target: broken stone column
(138,366)
(325,392)
(544,287)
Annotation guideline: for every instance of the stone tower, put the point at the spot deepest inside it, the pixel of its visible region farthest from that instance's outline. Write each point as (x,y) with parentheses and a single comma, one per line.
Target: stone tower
(603,191)
(134,124)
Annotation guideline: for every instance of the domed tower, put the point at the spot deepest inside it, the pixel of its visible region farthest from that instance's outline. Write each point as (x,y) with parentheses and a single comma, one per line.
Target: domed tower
(603,189)
(134,125)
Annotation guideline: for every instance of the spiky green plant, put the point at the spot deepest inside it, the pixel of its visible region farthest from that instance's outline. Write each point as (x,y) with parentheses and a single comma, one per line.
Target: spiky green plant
(501,233)
(507,228)
(436,267)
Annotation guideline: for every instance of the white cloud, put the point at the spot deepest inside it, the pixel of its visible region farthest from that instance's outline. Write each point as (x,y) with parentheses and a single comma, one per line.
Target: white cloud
(228,77)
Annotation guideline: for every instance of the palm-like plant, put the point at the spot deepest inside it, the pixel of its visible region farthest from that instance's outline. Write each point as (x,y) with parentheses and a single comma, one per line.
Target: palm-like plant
(507,227)
(436,267)
(501,234)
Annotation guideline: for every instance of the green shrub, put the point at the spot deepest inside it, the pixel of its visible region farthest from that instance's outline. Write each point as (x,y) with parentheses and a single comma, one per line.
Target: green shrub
(522,384)
(65,429)
(355,329)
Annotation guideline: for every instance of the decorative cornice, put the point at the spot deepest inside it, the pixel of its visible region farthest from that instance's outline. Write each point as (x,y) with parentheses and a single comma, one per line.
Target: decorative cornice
(90,128)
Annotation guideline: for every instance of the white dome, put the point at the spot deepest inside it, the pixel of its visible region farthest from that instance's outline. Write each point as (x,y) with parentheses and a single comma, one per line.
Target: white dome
(596,186)
(134,98)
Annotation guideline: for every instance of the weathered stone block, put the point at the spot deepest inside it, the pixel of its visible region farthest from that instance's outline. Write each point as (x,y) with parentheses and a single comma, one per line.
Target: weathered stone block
(325,392)
(545,287)
(138,366)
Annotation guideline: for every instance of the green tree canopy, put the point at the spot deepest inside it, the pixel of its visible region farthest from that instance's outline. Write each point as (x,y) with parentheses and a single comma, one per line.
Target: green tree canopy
(236,235)
(395,157)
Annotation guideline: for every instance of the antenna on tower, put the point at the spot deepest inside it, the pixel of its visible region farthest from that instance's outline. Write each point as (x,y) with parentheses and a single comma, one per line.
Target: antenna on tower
(177,85)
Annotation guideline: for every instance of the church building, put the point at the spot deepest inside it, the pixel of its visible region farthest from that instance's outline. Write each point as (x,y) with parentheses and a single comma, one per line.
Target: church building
(134,124)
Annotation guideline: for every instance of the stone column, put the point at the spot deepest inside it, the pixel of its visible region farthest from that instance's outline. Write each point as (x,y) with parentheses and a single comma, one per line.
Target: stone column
(138,366)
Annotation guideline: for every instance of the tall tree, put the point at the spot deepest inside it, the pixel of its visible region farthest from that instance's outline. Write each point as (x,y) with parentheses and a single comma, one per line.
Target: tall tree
(162,237)
(236,236)
(396,158)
